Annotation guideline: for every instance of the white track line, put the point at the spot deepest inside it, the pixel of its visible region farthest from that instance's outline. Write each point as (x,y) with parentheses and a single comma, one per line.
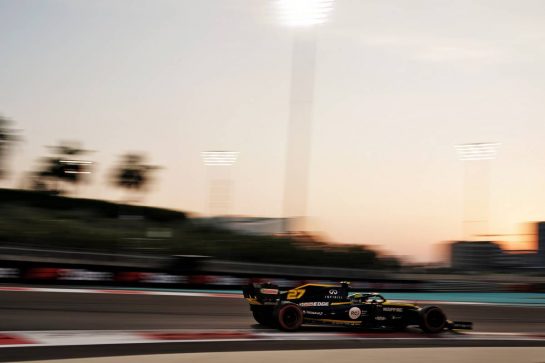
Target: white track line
(10,339)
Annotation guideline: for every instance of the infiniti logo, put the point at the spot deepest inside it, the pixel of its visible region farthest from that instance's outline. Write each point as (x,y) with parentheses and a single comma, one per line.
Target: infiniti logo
(333,292)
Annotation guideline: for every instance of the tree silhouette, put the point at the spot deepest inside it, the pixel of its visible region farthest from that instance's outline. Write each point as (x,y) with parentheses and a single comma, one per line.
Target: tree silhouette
(133,174)
(63,168)
(7,137)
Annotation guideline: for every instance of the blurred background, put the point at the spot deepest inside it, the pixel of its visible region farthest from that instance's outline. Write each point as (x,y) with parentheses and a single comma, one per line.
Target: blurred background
(157,156)
(395,144)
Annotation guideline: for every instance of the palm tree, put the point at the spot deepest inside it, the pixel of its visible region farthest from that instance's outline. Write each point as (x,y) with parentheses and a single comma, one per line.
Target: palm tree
(63,168)
(133,174)
(7,137)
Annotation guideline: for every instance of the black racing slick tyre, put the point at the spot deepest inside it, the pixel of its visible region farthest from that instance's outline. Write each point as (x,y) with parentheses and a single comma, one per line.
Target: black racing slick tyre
(432,319)
(288,317)
(263,317)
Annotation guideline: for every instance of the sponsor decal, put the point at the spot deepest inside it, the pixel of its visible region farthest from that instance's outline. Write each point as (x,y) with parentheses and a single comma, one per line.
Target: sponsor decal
(333,292)
(230,280)
(334,297)
(380,318)
(395,310)
(309,312)
(161,278)
(338,322)
(354,313)
(9,273)
(269,291)
(314,303)
(42,273)
(84,275)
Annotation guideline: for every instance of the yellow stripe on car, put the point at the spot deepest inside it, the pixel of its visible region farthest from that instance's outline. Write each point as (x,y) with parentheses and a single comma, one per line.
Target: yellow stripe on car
(253,301)
(354,322)
(397,304)
(319,285)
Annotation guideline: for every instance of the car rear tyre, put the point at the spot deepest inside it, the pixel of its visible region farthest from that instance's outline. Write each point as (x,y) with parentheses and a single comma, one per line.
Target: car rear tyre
(432,319)
(288,317)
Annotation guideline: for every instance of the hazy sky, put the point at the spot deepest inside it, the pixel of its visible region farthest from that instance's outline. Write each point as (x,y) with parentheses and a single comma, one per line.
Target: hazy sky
(398,84)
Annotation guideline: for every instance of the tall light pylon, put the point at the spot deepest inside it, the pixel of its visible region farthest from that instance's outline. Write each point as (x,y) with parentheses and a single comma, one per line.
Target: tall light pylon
(303,16)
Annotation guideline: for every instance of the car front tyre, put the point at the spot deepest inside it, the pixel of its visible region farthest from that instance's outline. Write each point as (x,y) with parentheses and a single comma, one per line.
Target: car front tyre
(432,319)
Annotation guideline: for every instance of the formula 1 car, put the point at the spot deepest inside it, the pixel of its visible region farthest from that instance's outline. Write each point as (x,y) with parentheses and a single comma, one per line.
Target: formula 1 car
(335,305)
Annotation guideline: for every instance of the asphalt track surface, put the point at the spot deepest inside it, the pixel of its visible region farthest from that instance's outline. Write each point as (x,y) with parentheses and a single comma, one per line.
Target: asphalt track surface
(74,311)
(35,311)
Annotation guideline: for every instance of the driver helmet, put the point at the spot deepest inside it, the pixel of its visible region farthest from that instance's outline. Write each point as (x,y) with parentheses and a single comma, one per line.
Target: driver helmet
(357,297)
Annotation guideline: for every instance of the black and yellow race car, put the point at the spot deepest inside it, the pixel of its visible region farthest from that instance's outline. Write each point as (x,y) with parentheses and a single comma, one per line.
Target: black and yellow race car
(336,305)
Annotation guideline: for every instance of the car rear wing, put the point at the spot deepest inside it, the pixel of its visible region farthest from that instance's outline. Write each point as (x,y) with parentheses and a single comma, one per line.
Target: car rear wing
(261,294)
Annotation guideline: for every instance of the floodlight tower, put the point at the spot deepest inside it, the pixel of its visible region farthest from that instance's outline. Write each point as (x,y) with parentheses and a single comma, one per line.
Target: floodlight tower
(75,166)
(220,192)
(302,16)
(476,157)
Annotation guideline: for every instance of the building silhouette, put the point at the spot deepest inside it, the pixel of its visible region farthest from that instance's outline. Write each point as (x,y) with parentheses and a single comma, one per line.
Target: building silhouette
(541,244)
